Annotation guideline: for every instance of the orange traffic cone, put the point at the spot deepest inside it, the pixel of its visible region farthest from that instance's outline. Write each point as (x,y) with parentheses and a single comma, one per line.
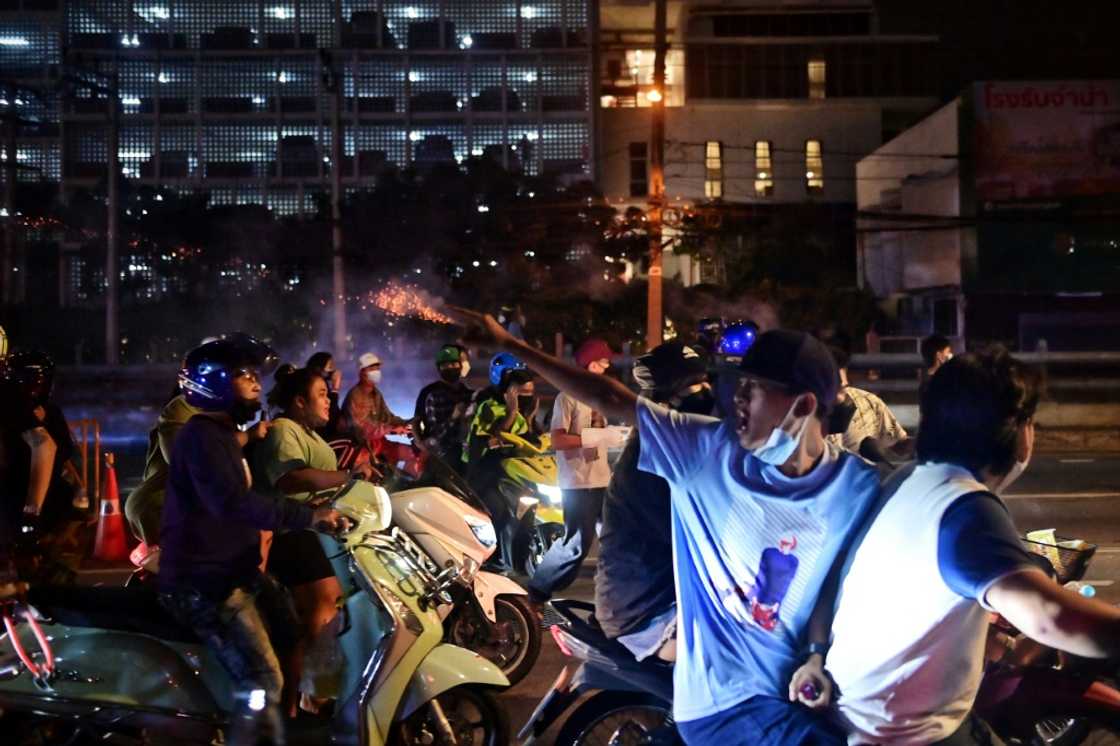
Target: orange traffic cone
(110,544)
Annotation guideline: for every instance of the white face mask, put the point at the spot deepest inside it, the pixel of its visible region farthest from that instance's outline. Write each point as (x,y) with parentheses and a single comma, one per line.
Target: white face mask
(465,370)
(373,376)
(1009,478)
(782,444)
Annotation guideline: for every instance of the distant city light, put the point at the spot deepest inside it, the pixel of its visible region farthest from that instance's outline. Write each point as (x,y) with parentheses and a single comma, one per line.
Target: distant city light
(14,41)
(475,263)
(414,136)
(164,78)
(413,76)
(258,100)
(493,262)
(653,95)
(282,12)
(531,136)
(411,12)
(528,11)
(484,208)
(467,42)
(283,76)
(155,12)
(530,77)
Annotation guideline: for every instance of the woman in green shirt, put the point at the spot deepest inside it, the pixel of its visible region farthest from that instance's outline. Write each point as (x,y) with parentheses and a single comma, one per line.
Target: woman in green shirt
(294,462)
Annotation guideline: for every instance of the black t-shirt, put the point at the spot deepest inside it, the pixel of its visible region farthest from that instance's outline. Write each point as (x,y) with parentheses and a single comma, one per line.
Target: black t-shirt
(20,417)
(634,577)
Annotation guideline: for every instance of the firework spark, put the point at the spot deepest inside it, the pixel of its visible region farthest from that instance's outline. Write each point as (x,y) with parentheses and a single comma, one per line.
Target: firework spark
(407,301)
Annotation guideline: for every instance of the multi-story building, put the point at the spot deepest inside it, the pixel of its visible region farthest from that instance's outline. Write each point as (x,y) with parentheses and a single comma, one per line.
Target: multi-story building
(768,104)
(230,96)
(234,98)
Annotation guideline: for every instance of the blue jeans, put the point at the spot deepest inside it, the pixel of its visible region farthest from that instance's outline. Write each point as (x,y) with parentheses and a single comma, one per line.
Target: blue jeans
(237,630)
(561,563)
(762,721)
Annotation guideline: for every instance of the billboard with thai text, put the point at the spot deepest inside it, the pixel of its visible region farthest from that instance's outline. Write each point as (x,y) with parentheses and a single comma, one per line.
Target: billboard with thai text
(1050,141)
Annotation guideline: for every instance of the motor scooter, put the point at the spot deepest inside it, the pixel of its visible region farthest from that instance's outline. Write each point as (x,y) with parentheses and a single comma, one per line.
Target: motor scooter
(632,700)
(108,664)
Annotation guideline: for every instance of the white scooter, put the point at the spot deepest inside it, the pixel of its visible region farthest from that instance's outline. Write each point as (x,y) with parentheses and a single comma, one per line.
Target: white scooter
(491,614)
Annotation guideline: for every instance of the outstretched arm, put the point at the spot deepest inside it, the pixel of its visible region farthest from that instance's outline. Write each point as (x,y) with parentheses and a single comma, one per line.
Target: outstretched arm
(1057,617)
(606,395)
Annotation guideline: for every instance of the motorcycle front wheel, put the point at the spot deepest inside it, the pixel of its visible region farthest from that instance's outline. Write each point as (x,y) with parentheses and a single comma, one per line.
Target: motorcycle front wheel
(512,642)
(472,714)
(620,719)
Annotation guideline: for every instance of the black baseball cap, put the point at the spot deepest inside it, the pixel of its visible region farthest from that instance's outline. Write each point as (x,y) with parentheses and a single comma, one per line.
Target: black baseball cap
(795,360)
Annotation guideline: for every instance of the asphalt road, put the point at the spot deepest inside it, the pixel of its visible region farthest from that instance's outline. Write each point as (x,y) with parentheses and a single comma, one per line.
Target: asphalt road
(1077,495)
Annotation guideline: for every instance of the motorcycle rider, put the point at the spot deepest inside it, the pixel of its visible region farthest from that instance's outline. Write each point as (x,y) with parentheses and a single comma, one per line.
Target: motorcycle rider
(294,462)
(762,505)
(635,601)
(870,417)
(944,549)
(144,506)
(210,577)
(441,407)
(35,450)
(581,438)
(514,412)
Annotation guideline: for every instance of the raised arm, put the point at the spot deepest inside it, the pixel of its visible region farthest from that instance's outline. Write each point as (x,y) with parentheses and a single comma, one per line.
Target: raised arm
(604,394)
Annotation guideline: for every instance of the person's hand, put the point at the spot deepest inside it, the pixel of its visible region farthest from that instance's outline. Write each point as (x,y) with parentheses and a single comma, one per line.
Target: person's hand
(510,399)
(364,470)
(810,685)
(336,380)
(259,431)
(480,327)
(327,520)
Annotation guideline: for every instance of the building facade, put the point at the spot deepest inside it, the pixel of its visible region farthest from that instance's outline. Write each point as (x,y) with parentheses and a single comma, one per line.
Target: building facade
(234,97)
(768,104)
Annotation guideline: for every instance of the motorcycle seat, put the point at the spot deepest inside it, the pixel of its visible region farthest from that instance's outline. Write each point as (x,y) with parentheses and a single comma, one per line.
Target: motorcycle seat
(580,622)
(135,610)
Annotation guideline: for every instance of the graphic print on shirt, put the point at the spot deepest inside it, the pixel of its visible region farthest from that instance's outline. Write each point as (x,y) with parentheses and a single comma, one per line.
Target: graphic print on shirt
(779,547)
(776,569)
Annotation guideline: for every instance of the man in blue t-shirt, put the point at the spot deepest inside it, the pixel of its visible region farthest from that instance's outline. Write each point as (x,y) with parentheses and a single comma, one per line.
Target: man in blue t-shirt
(761,507)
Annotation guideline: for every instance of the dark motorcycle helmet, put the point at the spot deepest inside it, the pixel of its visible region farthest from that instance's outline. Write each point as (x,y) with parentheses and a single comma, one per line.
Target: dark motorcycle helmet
(27,375)
(209,370)
(667,369)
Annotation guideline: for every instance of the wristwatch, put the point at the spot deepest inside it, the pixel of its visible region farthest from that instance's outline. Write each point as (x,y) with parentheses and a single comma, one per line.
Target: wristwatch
(817,648)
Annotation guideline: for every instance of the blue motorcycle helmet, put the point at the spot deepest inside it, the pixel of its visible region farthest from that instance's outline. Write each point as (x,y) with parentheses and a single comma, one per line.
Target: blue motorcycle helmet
(502,362)
(209,370)
(737,338)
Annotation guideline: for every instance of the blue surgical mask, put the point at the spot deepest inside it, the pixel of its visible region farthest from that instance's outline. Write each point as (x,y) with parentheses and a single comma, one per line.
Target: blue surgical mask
(781,445)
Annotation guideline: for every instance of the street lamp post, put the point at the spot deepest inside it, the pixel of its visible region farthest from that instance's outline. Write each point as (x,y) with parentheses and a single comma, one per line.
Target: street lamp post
(654,315)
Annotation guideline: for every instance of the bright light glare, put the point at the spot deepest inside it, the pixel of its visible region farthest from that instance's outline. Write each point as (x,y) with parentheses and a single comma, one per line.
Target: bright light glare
(14,41)
(653,95)
(256,700)
(282,12)
(528,11)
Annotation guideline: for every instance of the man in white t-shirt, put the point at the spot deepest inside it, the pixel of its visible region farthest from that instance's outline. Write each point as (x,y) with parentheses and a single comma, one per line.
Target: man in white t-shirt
(941,553)
(581,439)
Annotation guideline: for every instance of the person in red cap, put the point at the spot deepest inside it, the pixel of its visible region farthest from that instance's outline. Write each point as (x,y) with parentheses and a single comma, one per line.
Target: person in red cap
(581,438)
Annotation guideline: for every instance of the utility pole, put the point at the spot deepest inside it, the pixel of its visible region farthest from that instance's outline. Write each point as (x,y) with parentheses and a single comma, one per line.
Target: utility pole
(8,286)
(112,233)
(654,316)
(332,83)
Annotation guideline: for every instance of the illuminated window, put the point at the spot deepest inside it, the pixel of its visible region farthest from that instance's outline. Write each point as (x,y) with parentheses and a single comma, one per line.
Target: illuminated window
(816,78)
(814,167)
(764,169)
(713,169)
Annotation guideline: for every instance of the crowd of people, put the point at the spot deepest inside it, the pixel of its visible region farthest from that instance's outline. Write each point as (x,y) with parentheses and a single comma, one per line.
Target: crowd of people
(743,538)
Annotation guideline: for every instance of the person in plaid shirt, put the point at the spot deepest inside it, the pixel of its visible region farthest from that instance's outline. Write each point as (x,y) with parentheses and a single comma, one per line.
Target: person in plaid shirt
(872,417)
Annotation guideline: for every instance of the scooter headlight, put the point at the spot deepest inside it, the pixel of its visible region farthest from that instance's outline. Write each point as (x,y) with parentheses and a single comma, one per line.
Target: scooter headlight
(482,530)
(551,493)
